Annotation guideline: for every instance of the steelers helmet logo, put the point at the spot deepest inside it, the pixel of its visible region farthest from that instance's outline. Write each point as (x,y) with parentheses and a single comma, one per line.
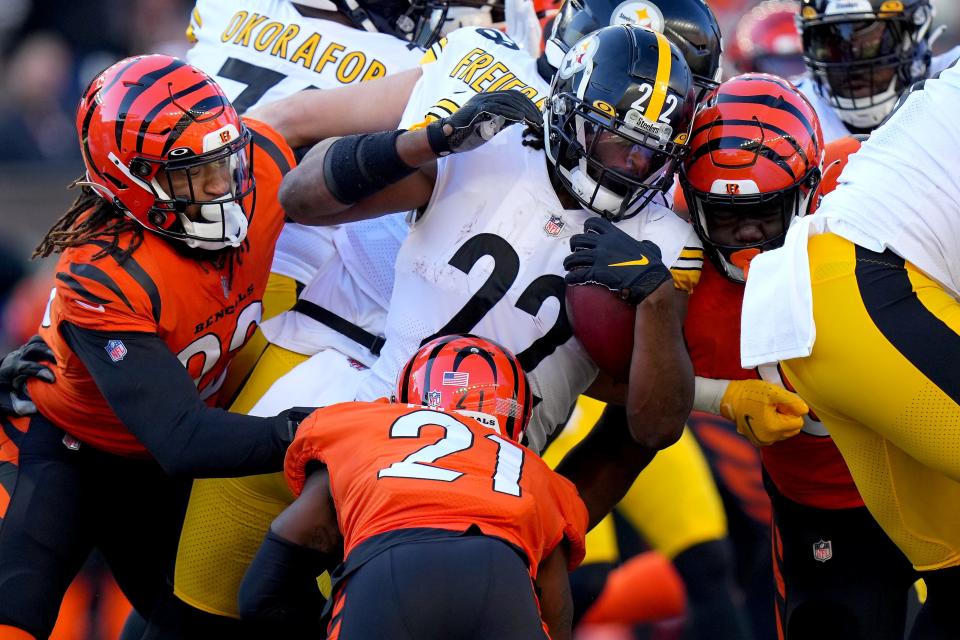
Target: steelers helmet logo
(638,12)
(579,57)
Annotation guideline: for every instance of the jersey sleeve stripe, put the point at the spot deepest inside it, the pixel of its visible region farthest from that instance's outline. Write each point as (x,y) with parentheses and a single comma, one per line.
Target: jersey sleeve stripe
(101,277)
(434,52)
(272,150)
(79,289)
(685,279)
(135,271)
(448,105)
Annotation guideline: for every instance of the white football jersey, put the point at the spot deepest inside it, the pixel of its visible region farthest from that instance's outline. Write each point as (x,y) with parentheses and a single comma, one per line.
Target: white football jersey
(486,257)
(899,192)
(356,281)
(833,127)
(469,61)
(260,51)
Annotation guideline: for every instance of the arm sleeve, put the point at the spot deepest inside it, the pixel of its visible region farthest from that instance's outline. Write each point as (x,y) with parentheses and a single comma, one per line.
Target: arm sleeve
(153,395)
(575,517)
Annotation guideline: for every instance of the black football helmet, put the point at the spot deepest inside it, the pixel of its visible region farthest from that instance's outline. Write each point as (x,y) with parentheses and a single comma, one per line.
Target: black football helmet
(421,22)
(862,54)
(618,118)
(689,24)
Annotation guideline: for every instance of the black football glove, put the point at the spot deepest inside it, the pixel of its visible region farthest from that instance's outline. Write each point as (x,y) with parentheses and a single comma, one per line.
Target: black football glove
(605,255)
(482,117)
(16,368)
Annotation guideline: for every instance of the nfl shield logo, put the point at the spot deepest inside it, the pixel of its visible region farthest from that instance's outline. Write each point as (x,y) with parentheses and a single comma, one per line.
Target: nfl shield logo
(116,350)
(433,399)
(822,551)
(554,225)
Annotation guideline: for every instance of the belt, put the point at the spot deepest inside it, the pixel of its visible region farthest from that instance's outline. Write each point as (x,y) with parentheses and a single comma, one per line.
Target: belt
(373,343)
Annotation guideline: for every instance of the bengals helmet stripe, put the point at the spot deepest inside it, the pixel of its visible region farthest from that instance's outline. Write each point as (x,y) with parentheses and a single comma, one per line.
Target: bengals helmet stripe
(148,119)
(136,87)
(661,80)
(85,140)
(739,142)
(207,109)
(775,103)
(783,133)
(117,76)
(446,373)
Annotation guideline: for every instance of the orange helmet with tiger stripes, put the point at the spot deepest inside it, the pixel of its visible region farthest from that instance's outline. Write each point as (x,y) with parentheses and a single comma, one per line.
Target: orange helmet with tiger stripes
(754,164)
(162,142)
(472,375)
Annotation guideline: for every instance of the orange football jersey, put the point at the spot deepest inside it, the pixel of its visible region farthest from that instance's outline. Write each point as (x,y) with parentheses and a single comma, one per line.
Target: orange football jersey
(204,314)
(399,466)
(712,331)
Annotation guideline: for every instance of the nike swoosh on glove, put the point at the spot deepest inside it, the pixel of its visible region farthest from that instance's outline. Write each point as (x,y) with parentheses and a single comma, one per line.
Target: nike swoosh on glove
(764,412)
(608,256)
(16,368)
(482,117)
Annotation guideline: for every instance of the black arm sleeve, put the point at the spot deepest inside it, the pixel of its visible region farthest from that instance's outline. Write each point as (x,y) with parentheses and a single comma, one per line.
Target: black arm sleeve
(280,588)
(153,395)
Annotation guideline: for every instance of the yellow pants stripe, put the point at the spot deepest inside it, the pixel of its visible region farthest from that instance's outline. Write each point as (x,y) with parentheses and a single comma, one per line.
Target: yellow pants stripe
(883,378)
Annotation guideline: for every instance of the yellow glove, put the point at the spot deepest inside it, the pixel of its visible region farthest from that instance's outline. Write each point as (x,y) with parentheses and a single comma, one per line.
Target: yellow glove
(765,413)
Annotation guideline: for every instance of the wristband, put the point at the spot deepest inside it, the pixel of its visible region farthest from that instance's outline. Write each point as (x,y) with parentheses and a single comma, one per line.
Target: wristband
(358,166)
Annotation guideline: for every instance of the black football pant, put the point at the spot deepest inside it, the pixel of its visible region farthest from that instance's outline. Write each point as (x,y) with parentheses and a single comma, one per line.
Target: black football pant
(66,501)
(456,588)
(839,577)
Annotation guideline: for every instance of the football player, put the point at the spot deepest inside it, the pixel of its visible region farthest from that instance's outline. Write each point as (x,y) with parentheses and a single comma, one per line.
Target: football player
(264,50)
(260,51)
(164,260)
(862,55)
(837,573)
(613,136)
(339,318)
(859,307)
(456,552)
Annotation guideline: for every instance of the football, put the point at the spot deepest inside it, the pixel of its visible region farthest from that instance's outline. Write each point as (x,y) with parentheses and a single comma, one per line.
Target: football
(603,323)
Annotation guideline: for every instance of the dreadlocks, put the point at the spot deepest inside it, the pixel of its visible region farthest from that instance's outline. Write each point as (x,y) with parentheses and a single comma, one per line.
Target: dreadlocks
(90,216)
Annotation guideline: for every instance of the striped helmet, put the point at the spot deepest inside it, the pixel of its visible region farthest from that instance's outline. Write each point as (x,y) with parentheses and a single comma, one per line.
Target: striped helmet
(471,375)
(755,160)
(162,142)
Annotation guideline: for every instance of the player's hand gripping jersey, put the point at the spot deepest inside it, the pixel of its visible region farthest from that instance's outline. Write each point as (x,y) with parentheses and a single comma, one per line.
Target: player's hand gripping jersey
(384,479)
(203,312)
(263,50)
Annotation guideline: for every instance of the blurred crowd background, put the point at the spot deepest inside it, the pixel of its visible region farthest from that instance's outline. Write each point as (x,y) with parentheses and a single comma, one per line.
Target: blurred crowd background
(49,50)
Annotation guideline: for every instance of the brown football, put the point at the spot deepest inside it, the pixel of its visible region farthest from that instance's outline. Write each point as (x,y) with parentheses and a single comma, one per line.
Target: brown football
(603,323)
